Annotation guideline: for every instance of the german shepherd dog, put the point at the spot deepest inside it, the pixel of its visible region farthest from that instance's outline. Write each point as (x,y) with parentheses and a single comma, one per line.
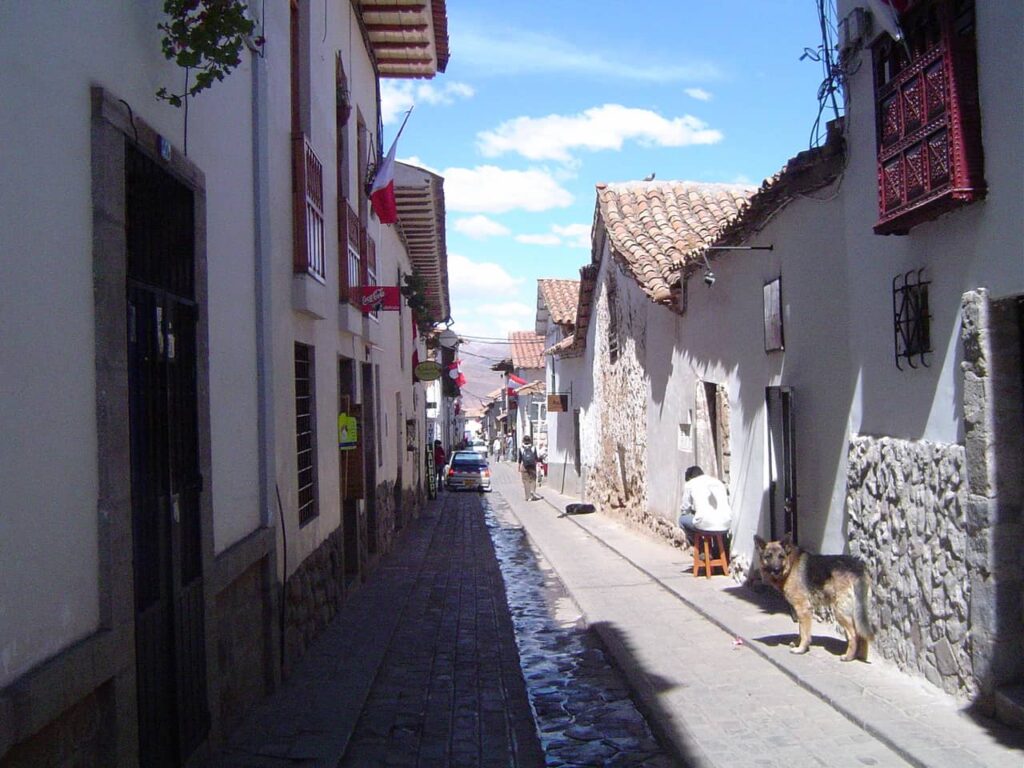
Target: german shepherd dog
(811,581)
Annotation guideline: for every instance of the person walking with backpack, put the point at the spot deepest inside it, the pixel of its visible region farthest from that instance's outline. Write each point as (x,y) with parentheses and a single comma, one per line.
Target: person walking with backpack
(528,468)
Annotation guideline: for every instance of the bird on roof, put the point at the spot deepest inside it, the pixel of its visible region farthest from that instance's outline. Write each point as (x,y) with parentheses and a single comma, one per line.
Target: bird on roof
(650,177)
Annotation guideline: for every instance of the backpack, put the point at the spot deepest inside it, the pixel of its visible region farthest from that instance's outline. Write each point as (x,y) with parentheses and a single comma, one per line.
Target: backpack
(529,458)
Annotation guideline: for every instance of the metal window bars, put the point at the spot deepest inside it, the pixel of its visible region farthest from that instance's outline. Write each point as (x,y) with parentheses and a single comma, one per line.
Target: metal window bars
(911,318)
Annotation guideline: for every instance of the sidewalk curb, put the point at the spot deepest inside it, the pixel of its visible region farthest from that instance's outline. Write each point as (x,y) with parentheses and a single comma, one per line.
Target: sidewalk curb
(889,726)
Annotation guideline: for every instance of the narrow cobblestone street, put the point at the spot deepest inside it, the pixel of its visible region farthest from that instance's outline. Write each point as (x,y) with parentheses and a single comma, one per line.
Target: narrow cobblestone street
(503,632)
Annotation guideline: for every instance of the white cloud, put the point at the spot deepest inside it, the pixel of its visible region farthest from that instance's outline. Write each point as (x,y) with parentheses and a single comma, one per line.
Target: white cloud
(490,189)
(480,227)
(567,236)
(507,51)
(550,239)
(493,320)
(468,279)
(698,93)
(398,96)
(599,128)
(576,235)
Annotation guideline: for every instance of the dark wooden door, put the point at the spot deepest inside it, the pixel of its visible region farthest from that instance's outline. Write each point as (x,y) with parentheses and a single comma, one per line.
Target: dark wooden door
(166,482)
(781,462)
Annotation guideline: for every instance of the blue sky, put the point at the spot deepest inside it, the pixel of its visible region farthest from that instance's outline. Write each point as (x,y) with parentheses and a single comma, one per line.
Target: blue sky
(542,100)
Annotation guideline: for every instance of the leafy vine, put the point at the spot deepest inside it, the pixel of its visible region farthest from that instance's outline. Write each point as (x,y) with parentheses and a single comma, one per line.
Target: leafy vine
(205,36)
(414,289)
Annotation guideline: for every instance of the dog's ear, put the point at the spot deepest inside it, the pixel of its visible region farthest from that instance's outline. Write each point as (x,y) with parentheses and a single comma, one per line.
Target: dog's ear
(787,542)
(759,543)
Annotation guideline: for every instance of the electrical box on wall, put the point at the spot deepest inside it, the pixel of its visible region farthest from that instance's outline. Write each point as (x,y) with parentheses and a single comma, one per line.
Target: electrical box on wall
(854,31)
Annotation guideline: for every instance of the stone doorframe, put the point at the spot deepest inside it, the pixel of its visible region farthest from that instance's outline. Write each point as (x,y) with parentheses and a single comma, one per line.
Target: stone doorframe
(993,410)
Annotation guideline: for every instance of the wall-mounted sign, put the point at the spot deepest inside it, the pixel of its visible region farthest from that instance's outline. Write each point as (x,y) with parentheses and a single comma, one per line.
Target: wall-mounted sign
(428,370)
(558,403)
(348,432)
(376,298)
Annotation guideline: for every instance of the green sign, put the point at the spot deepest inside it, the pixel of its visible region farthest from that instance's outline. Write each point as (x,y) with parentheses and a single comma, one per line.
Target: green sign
(348,432)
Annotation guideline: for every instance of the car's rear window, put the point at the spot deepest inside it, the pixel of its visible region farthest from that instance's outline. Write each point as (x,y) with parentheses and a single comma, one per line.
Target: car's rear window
(468,464)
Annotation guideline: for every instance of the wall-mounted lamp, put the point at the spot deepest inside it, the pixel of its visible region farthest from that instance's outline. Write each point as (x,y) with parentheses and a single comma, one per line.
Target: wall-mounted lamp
(709,276)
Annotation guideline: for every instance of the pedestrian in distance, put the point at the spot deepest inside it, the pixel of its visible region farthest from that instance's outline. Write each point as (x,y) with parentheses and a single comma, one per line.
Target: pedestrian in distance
(439,462)
(496,447)
(510,447)
(705,504)
(528,459)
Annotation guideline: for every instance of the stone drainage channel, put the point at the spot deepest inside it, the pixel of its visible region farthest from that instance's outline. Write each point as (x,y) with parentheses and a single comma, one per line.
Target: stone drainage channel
(581,704)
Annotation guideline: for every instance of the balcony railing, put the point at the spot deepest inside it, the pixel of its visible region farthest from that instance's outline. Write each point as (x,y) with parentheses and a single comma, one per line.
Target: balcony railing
(308,208)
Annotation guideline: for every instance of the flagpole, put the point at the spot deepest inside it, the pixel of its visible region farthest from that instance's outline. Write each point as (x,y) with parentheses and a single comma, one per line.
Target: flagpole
(402,127)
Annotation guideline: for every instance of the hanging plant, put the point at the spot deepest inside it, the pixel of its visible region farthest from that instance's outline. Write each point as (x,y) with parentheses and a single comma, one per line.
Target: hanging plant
(414,289)
(205,37)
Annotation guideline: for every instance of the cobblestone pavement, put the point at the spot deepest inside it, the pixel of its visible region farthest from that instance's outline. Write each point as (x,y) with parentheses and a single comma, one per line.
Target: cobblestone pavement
(449,691)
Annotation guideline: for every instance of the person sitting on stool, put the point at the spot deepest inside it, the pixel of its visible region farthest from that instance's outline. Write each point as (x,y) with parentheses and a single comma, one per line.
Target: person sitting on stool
(705,504)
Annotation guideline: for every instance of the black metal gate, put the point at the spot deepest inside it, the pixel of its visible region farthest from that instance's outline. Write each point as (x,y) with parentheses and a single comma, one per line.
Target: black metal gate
(166,482)
(781,462)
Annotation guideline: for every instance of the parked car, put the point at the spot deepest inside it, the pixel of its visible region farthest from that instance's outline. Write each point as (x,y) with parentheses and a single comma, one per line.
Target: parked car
(479,447)
(468,470)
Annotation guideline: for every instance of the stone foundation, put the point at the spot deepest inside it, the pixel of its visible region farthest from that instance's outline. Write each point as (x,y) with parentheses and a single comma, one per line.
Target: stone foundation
(906,504)
(241,645)
(313,595)
(81,737)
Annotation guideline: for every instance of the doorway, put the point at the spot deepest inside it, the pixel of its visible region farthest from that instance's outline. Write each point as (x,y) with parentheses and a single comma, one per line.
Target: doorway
(350,468)
(166,484)
(369,428)
(781,463)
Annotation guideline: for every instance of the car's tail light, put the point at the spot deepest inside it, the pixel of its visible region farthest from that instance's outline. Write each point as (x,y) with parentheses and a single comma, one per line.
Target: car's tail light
(451,472)
(486,473)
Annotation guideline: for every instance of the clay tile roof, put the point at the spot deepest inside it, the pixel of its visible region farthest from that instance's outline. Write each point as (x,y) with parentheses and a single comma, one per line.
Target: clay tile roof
(562,346)
(561,298)
(662,230)
(533,388)
(652,225)
(527,349)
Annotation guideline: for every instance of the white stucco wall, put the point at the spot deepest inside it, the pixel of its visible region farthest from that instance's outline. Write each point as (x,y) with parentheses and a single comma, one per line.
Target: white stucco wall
(50,56)
(981,245)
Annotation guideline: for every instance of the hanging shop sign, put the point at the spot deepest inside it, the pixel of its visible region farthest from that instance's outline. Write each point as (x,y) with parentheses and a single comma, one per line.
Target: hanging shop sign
(348,432)
(558,403)
(428,370)
(378,298)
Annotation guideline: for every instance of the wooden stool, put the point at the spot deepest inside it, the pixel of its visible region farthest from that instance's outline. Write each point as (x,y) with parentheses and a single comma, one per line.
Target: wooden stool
(703,542)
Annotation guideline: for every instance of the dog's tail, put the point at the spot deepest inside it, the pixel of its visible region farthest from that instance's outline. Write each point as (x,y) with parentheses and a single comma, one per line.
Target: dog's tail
(861,621)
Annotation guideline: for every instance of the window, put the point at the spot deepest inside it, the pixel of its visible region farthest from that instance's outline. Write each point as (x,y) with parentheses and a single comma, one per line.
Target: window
(305,431)
(911,318)
(308,208)
(371,270)
(928,121)
(773,315)
(613,323)
(349,278)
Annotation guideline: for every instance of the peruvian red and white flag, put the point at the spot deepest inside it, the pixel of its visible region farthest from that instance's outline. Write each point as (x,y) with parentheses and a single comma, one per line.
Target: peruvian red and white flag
(516,379)
(456,374)
(382,191)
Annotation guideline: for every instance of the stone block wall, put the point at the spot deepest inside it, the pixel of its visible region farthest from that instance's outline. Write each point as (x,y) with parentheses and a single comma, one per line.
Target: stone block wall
(81,737)
(313,594)
(241,645)
(615,444)
(906,504)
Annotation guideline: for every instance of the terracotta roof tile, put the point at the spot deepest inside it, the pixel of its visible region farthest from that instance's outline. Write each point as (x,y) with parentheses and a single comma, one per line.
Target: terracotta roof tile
(527,349)
(561,298)
(561,346)
(662,230)
(533,388)
(652,225)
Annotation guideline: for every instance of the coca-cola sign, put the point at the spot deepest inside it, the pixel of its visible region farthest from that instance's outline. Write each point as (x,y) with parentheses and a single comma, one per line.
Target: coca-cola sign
(377,298)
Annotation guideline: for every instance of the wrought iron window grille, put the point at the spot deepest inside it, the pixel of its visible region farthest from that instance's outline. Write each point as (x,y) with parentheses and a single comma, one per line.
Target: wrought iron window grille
(911,318)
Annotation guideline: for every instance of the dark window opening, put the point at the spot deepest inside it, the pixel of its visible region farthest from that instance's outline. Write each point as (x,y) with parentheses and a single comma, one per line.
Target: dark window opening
(911,319)
(305,431)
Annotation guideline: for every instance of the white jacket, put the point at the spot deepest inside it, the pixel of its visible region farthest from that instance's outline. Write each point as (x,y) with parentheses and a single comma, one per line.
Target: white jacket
(707,499)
